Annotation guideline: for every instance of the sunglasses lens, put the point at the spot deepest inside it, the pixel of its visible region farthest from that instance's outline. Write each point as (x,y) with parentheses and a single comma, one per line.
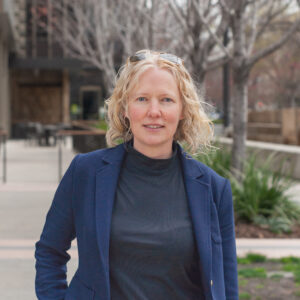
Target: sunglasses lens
(137,57)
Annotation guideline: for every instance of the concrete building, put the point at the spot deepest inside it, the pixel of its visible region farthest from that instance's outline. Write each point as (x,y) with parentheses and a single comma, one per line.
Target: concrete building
(44,83)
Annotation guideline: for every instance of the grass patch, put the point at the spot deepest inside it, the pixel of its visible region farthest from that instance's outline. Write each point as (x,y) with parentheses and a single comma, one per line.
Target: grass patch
(251,258)
(297,275)
(253,273)
(276,276)
(259,286)
(243,282)
(290,260)
(243,261)
(244,296)
(256,258)
(291,267)
(297,293)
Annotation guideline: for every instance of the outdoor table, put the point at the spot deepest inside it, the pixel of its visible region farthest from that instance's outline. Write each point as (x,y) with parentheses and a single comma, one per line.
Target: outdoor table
(3,136)
(62,133)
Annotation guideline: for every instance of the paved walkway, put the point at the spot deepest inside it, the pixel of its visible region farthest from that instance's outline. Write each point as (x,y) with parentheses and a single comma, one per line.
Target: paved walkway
(32,177)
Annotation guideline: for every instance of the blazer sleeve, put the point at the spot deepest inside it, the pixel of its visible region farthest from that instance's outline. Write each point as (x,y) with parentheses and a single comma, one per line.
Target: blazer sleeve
(227,228)
(51,250)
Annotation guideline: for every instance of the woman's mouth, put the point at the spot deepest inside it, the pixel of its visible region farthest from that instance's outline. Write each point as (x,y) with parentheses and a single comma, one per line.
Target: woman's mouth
(153,126)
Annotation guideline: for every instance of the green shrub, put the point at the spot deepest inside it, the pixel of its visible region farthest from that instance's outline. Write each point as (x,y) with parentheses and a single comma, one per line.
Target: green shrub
(102,125)
(260,197)
(218,159)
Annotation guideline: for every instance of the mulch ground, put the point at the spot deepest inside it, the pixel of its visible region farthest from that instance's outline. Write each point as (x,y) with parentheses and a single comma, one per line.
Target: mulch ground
(266,288)
(243,230)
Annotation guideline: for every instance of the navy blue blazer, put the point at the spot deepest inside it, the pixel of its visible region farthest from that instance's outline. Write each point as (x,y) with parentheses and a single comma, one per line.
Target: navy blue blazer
(82,208)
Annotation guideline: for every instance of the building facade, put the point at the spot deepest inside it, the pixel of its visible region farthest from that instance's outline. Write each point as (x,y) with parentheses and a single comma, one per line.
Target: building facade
(46,86)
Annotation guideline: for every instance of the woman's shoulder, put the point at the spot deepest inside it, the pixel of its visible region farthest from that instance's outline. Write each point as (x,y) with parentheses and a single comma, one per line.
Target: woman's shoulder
(97,157)
(202,169)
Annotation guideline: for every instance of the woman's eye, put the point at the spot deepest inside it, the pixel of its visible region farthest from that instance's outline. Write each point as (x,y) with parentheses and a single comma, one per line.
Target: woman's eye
(141,99)
(167,99)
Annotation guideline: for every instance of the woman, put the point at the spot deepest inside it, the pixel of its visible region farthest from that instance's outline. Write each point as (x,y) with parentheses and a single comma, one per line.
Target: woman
(150,221)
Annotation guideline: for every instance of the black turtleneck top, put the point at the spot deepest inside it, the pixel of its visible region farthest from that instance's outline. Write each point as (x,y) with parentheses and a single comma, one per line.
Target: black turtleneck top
(152,249)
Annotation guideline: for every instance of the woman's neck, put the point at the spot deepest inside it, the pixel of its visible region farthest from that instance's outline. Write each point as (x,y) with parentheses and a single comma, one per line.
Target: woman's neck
(154,152)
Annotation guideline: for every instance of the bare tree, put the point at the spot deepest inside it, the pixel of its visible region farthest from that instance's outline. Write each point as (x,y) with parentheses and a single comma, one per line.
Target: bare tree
(250,22)
(91,30)
(103,32)
(200,34)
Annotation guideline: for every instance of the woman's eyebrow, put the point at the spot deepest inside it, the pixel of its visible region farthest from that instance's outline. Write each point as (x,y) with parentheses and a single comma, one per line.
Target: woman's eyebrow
(163,94)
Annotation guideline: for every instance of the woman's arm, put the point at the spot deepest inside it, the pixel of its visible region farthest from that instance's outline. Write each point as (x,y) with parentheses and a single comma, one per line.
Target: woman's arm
(226,219)
(51,250)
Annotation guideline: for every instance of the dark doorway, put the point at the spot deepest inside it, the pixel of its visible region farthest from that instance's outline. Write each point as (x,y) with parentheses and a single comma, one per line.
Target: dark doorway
(90,105)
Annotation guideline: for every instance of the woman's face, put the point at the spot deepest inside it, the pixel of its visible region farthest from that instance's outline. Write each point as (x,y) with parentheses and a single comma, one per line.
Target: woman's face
(154,111)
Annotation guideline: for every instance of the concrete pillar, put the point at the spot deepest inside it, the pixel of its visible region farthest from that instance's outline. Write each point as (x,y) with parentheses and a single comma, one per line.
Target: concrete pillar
(289,126)
(4,88)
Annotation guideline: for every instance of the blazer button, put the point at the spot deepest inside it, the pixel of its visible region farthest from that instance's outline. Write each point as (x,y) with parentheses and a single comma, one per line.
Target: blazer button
(211,282)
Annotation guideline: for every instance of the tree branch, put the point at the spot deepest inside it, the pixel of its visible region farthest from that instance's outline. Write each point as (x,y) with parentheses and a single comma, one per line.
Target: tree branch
(276,45)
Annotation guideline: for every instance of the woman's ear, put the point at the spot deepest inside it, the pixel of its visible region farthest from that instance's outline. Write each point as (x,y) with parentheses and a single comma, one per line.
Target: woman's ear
(125,111)
(125,114)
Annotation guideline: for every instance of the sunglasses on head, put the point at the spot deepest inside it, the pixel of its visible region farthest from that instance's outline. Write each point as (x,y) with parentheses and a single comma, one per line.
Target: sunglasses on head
(167,56)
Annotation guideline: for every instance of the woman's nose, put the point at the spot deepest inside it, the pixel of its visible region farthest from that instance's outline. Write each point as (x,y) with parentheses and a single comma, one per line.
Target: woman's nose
(154,110)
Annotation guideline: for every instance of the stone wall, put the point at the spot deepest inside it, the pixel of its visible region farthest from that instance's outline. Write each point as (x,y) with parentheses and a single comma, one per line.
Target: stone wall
(276,126)
(286,157)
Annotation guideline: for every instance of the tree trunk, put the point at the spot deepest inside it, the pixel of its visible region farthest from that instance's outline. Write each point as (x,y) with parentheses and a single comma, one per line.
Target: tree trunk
(240,118)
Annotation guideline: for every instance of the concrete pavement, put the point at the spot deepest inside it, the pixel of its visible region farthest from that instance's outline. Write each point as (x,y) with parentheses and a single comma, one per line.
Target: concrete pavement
(32,177)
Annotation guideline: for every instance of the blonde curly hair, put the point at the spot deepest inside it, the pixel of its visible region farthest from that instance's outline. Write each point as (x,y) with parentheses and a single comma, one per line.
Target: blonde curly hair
(195,130)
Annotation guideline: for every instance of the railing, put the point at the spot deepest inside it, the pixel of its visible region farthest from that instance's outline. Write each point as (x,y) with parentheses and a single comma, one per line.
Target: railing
(3,136)
(63,133)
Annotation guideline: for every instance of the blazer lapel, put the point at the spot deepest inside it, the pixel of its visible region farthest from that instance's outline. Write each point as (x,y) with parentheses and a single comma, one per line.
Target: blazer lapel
(106,185)
(198,193)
